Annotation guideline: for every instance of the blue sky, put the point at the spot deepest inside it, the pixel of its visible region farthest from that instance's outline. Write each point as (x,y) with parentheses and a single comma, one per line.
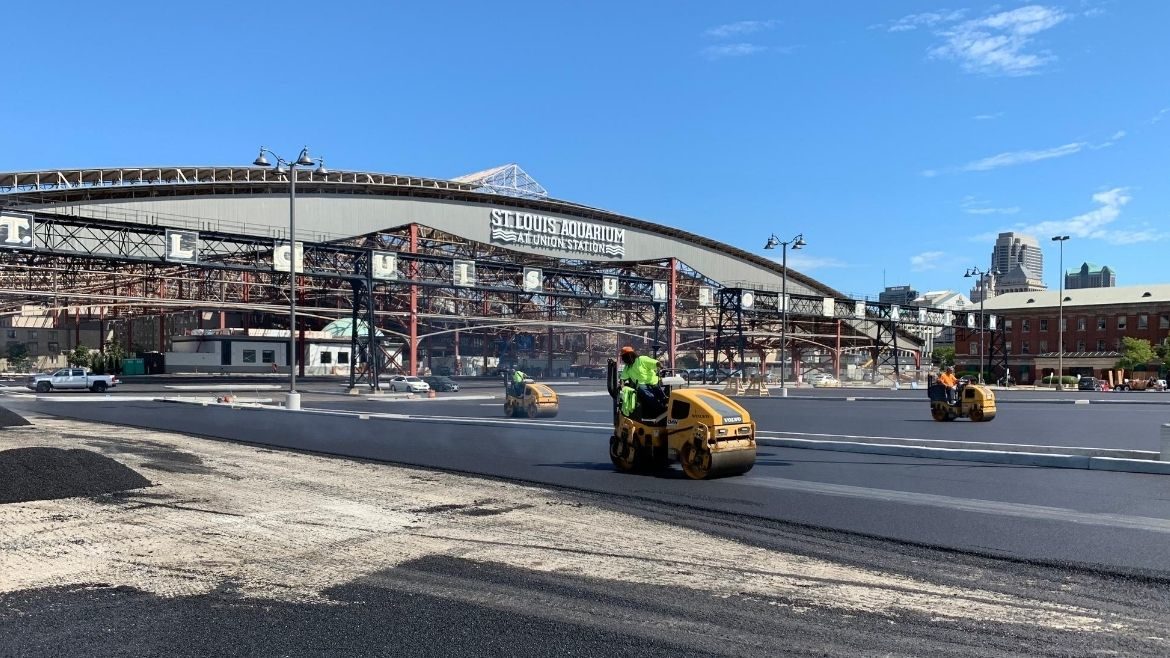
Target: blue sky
(897,136)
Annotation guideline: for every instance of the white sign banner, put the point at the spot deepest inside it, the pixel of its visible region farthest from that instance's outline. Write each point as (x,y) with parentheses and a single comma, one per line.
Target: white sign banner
(706,296)
(575,236)
(384,265)
(970,320)
(948,317)
(280,257)
(182,246)
(747,299)
(16,230)
(659,291)
(464,273)
(859,309)
(991,322)
(922,316)
(533,279)
(610,286)
(895,312)
(828,307)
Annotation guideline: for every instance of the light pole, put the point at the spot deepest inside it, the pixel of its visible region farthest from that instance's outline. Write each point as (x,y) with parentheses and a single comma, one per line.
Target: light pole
(983,277)
(1060,328)
(796,243)
(293,402)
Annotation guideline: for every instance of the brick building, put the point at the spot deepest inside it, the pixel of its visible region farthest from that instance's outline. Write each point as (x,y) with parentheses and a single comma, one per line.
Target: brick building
(1095,321)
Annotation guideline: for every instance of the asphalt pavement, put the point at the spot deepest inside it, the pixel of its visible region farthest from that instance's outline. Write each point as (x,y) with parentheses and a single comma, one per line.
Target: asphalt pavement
(1103,520)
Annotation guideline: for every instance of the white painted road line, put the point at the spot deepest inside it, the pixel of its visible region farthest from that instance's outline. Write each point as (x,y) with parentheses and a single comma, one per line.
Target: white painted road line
(225,387)
(1038,512)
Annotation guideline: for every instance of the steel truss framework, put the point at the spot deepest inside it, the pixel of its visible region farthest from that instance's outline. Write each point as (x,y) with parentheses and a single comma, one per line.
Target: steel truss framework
(749,319)
(116,270)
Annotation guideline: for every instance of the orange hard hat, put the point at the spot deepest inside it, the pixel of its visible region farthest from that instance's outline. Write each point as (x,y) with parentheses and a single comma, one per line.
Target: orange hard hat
(627,350)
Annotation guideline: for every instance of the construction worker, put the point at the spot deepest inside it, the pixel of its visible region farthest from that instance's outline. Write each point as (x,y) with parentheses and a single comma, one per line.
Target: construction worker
(640,373)
(948,379)
(518,377)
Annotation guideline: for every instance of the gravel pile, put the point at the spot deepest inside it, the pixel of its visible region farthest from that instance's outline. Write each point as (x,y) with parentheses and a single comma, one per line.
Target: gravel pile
(47,473)
(10,418)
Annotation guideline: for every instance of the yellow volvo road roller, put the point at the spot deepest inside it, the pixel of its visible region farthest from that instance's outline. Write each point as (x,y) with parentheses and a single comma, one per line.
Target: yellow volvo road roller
(706,432)
(529,399)
(975,401)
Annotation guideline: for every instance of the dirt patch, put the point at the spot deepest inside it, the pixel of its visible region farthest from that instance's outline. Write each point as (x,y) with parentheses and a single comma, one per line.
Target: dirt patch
(9,418)
(28,474)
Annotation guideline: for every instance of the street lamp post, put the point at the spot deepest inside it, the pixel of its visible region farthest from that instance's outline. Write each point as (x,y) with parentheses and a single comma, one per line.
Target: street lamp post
(982,277)
(797,243)
(1060,328)
(293,401)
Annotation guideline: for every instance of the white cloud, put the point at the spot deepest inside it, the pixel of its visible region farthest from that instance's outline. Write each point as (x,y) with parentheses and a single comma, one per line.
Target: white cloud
(740,28)
(927,260)
(1011,158)
(973,206)
(1096,224)
(997,44)
(1160,115)
(924,19)
(987,117)
(802,262)
(732,50)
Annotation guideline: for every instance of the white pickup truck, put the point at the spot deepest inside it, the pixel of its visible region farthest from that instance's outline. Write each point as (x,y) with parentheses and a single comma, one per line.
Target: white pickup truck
(71,379)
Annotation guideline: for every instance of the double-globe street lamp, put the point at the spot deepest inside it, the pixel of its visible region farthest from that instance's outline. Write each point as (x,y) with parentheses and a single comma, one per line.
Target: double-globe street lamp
(282,166)
(797,243)
(1060,328)
(983,278)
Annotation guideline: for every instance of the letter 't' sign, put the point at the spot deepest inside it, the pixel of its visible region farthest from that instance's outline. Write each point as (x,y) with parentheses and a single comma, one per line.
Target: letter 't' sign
(16,230)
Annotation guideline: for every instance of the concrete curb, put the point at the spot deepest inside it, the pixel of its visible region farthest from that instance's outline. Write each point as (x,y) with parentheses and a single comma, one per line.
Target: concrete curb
(987,456)
(923,399)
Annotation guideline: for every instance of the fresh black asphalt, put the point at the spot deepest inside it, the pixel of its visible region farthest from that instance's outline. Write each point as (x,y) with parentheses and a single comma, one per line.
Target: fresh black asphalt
(1114,520)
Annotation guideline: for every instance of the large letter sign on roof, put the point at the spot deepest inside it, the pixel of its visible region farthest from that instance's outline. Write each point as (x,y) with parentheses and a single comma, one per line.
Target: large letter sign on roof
(658,291)
(384,265)
(464,273)
(182,246)
(16,231)
(533,279)
(281,256)
(609,286)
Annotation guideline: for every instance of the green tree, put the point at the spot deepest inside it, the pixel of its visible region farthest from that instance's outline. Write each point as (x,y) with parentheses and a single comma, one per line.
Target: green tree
(1135,353)
(18,360)
(943,356)
(78,357)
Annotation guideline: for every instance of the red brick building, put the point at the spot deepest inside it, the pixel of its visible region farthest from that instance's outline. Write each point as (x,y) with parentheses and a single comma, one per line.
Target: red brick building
(1095,321)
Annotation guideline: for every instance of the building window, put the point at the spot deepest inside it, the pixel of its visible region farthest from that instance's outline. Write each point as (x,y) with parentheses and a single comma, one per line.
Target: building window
(1044,325)
(54,348)
(33,348)
(1082,323)
(1007,324)
(1143,321)
(1064,324)
(343,357)
(1025,325)
(1043,346)
(326,357)
(1117,344)
(1025,348)
(249,356)
(53,335)
(268,356)
(1100,344)
(1080,346)
(12,333)
(1101,323)
(1121,323)
(1007,346)
(32,335)
(972,347)
(1164,321)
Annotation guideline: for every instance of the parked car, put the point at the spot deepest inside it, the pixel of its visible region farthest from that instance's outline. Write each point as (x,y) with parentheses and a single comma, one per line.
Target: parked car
(71,379)
(441,383)
(1091,384)
(408,384)
(826,381)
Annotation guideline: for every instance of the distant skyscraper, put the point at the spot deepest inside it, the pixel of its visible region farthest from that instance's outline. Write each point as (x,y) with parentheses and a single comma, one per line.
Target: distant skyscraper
(1019,263)
(1089,275)
(900,295)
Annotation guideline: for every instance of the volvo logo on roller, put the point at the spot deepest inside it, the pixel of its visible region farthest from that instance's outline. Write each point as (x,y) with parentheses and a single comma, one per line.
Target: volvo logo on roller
(571,235)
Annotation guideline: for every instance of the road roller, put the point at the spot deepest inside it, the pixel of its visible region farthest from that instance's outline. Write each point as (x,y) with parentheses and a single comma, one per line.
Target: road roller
(532,401)
(975,401)
(705,431)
